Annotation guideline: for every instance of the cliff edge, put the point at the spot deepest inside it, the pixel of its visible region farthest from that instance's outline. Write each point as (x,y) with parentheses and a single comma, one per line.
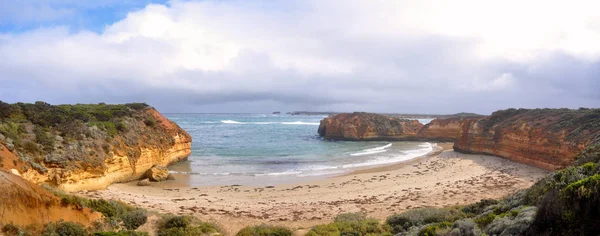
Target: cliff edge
(87,146)
(367,126)
(546,138)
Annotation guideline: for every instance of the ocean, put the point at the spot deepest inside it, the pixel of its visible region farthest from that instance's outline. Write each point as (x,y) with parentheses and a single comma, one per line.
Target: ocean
(265,149)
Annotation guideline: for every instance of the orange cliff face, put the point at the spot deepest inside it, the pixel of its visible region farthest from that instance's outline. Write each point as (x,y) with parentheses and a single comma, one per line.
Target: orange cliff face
(367,126)
(97,159)
(546,138)
(441,130)
(24,203)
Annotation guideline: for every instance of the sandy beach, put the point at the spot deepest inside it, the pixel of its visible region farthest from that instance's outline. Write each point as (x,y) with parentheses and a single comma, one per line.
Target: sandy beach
(443,178)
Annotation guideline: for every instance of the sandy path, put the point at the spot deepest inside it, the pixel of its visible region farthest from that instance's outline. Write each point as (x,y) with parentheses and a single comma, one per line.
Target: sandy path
(449,178)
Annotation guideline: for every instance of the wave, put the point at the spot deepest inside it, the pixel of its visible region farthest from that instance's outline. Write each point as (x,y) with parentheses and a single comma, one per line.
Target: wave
(300,123)
(231,122)
(370,151)
(405,156)
(269,123)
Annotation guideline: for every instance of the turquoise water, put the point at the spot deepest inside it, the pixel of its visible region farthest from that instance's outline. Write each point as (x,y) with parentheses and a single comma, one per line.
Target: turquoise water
(264,149)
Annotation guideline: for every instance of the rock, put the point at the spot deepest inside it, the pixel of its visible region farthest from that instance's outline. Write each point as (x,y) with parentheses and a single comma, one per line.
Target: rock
(2,138)
(170,177)
(157,173)
(1,147)
(144,182)
(368,126)
(15,172)
(546,138)
(10,146)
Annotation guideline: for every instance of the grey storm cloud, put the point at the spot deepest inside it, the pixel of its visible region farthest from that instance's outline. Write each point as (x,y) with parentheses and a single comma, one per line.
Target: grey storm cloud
(231,56)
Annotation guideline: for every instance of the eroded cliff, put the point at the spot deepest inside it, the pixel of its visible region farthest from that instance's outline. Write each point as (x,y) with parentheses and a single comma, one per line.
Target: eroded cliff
(441,130)
(546,138)
(76,147)
(367,126)
(24,203)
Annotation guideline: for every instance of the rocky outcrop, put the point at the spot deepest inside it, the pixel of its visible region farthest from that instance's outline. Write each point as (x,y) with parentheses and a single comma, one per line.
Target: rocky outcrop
(89,147)
(367,126)
(441,130)
(24,203)
(157,173)
(546,138)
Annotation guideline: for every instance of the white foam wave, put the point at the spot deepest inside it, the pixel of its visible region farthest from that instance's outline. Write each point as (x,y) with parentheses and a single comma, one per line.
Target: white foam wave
(289,172)
(363,153)
(300,123)
(374,150)
(406,155)
(231,122)
(194,173)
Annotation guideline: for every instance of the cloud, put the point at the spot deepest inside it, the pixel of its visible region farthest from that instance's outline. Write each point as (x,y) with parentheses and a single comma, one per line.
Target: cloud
(399,56)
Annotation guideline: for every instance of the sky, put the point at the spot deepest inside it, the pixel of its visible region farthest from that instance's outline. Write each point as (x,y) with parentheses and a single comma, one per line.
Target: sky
(413,56)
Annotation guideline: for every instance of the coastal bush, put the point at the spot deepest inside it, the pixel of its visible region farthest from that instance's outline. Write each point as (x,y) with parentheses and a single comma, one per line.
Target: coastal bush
(64,228)
(265,230)
(435,229)
(108,208)
(351,227)
(134,219)
(478,207)
(401,222)
(13,230)
(171,225)
(465,227)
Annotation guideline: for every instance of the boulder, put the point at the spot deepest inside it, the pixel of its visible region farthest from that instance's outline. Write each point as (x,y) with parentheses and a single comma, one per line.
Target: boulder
(157,173)
(144,182)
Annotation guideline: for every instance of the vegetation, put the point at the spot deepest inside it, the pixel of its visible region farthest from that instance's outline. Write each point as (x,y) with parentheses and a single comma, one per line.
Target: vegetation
(63,228)
(418,217)
(185,226)
(13,230)
(264,230)
(114,211)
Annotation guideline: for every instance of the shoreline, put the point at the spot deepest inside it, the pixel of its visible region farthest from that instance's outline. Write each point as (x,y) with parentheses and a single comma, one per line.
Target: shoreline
(438,179)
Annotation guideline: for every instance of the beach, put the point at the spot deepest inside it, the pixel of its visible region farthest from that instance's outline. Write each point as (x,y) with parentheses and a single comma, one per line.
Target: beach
(442,178)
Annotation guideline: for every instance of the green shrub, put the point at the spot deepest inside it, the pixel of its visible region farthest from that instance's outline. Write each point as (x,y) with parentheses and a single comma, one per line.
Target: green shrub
(478,207)
(184,226)
(178,222)
(265,230)
(401,222)
(433,229)
(62,228)
(30,147)
(13,230)
(109,208)
(134,219)
(363,227)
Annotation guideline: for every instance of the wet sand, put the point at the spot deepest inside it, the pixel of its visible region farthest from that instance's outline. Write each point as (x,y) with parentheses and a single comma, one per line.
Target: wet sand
(443,178)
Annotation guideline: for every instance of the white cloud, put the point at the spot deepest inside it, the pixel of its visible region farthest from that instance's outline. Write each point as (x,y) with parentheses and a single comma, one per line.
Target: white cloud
(311,55)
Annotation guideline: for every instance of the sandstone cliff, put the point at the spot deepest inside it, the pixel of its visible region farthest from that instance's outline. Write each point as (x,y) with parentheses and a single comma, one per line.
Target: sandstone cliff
(76,147)
(24,203)
(546,138)
(367,126)
(441,130)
